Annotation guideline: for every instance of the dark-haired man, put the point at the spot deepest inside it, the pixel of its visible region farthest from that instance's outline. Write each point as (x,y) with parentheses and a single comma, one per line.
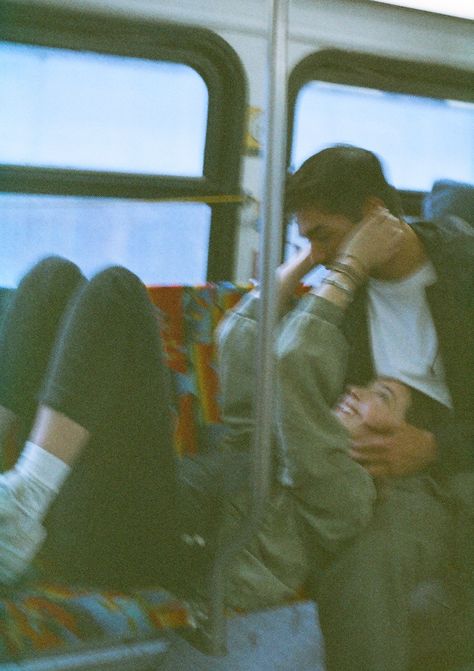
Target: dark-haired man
(413,321)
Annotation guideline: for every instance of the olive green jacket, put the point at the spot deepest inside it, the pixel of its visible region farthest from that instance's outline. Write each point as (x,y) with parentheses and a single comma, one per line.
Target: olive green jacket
(319,494)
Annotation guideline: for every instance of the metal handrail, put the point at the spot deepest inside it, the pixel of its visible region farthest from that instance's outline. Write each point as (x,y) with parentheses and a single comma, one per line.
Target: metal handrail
(270,255)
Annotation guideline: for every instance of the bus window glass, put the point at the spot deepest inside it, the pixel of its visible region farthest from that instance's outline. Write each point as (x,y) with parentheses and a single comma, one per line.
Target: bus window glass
(163,243)
(419,139)
(88,111)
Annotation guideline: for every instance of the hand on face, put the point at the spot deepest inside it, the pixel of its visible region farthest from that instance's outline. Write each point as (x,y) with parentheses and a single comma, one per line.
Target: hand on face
(375,240)
(382,442)
(303,260)
(325,233)
(404,450)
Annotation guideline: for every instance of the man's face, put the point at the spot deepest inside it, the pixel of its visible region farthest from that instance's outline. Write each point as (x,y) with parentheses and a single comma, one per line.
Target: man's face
(324,231)
(379,406)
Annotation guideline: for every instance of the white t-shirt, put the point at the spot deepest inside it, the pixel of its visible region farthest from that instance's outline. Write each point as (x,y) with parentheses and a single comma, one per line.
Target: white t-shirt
(403,336)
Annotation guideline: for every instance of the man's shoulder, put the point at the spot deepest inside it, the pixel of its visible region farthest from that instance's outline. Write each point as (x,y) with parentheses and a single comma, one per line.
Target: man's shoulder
(447,240)
(448,228)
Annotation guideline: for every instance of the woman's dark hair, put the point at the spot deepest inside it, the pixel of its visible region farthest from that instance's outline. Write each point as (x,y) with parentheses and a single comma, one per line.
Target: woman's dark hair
(338,180)
(424,412)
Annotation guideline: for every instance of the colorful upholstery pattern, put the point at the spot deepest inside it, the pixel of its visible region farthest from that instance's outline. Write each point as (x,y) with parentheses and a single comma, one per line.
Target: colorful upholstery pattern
(189,318)
(46,618)
(40,617)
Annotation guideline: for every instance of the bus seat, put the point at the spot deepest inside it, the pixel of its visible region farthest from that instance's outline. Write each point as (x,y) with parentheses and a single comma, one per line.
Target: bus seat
(450,198)
(39,619)
(36,619)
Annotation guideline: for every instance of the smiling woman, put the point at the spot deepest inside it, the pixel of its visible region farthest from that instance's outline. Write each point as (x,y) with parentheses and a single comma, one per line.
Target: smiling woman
(381,405)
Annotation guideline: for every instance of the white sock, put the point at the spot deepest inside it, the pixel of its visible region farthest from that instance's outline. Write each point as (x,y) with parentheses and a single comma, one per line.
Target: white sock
(40,475)
(35,462)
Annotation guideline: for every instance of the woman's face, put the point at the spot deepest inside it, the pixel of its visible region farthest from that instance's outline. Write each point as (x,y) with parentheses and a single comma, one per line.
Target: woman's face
(379,406)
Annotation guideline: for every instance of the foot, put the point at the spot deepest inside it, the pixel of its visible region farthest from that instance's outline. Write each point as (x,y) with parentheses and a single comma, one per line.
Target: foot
(21,532)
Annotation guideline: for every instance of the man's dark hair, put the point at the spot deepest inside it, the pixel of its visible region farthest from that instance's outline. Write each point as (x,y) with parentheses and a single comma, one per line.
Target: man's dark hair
(338,180)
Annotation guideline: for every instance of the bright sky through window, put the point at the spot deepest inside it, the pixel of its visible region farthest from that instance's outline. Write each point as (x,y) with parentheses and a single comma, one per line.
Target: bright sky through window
(87,111)
(163,243)
(419,139)
(79,110)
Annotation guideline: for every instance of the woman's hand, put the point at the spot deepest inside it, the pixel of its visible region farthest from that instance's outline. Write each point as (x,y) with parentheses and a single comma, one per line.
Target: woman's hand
(290,275)
(374,241)
(297,266)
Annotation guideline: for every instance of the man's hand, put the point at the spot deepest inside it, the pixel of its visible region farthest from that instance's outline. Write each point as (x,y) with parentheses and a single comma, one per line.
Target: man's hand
(375,240)
(402,450)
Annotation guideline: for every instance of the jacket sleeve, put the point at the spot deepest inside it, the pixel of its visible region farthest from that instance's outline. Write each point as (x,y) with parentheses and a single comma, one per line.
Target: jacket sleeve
(455,437)
(335,494)
(236,347)
(450,245)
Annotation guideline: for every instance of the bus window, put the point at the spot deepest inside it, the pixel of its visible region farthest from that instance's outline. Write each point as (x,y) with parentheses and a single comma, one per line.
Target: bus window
(419,139)
(417,117)
(67,109)
(119,144)
(163,243)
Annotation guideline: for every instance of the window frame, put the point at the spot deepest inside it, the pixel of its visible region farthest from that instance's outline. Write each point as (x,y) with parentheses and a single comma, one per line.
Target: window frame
(207,53)
(353,68)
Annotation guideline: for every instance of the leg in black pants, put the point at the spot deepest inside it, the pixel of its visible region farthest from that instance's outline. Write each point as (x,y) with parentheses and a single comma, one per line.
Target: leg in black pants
(29,332)
(115,521)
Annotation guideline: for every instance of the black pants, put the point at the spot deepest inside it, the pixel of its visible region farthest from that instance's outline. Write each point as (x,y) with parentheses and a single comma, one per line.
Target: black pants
(92,351)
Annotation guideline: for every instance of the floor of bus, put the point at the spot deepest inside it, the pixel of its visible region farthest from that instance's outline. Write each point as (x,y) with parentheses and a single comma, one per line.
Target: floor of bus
(286,639)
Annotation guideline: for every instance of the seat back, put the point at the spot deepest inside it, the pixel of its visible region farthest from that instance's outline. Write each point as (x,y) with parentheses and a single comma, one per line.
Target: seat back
(188,318)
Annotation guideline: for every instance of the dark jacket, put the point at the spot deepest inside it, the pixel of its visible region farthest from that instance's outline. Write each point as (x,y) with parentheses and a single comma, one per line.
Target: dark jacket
(450,247)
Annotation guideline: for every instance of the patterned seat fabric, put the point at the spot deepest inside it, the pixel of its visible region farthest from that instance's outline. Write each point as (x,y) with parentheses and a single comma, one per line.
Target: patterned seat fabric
(43,618)
(189,317)
(39,617)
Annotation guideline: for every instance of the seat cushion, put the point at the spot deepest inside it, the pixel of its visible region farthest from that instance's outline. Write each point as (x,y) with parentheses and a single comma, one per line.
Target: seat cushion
(43,618)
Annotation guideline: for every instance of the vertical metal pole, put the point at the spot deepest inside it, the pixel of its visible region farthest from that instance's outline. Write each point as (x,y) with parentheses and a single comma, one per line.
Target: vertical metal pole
(270,255)
(270,250)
